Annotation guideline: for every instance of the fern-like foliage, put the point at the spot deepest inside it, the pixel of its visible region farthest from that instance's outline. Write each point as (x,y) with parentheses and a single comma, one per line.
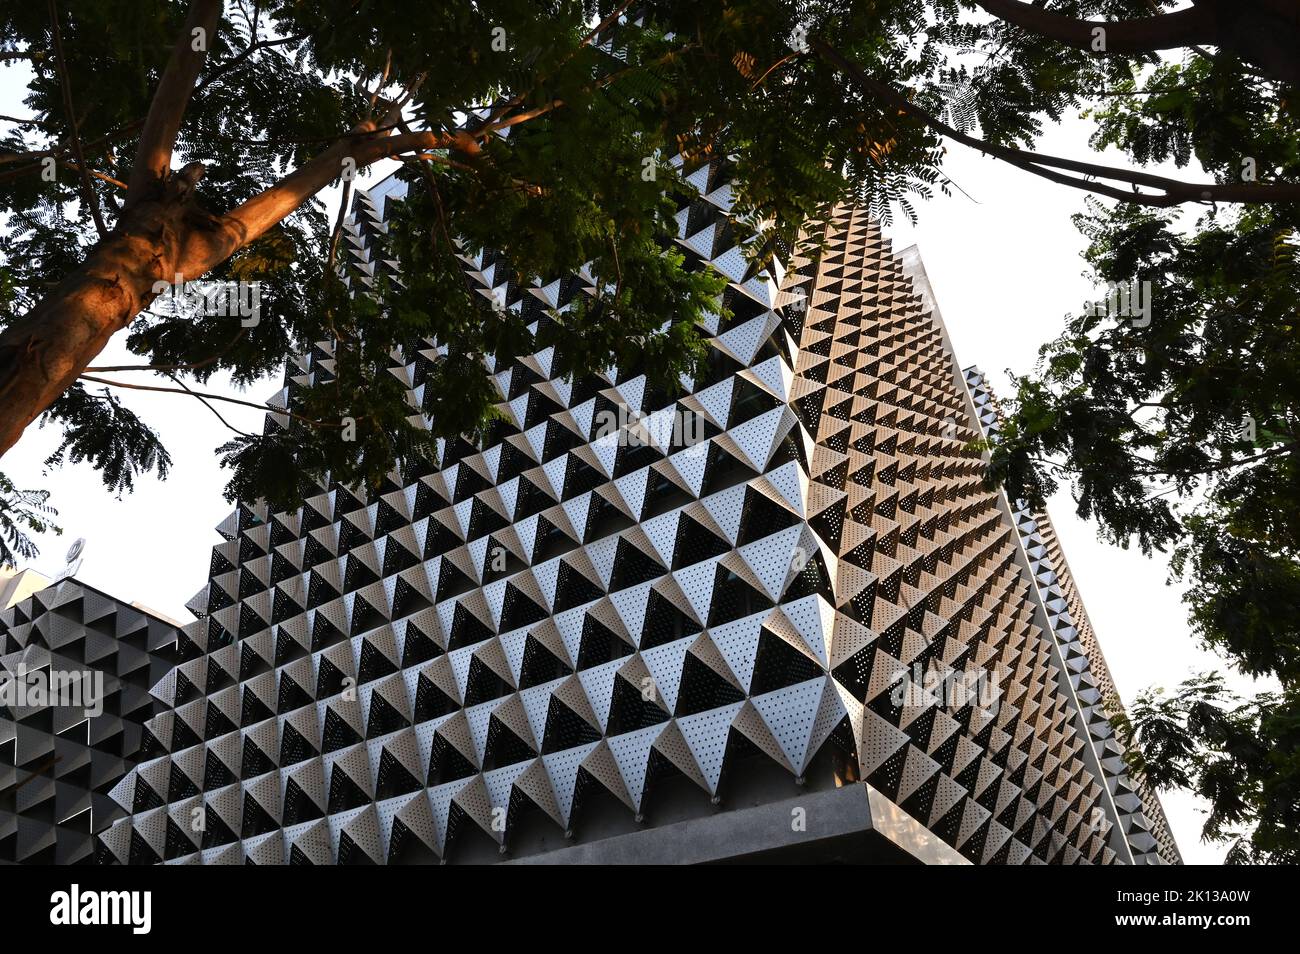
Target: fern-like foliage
(101,430)
(22,513)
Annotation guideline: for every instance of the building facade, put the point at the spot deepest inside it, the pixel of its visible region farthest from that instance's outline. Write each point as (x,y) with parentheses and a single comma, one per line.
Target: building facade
(1138,808)
(76,669)
(776,617)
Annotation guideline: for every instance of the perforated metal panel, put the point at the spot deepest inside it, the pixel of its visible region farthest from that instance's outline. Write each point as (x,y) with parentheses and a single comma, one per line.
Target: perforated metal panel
(713,613)
(1143,819)
(59,761)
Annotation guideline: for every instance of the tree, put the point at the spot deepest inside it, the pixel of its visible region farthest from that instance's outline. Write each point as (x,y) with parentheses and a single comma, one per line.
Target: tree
(22,512)
(1234,753)
(523,132)
(190,140)
(1172,407)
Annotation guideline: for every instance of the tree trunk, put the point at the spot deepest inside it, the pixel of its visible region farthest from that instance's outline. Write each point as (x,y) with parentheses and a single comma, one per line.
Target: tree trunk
(43,352)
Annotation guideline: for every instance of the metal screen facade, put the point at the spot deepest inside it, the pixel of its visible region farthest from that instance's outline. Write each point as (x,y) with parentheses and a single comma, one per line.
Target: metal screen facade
(783,586)
(58,760)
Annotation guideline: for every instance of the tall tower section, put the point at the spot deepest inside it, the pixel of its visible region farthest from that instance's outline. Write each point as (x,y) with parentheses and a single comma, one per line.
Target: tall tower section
(774,616)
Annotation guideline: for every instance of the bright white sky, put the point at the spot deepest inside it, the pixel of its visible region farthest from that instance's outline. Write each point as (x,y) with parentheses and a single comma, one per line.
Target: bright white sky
(1005,269)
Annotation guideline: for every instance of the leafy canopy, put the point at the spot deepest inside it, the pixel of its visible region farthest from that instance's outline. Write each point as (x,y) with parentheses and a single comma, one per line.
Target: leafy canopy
(1180,433)
(565,165)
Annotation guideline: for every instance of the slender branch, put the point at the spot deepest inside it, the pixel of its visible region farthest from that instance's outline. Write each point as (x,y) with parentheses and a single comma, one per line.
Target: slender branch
(161,368)
(204,401)
(382,81)
(1153,470)
(394,115)
(59,152)
(782,61)
(953,182)
(161,126)
(443,160)
(311,140)
(25,122)
(602,26)
(1051,464)
(482,132)
(1155,496)
(618,268)
(436,194)
(95,173)
(206,394)
(502,108)
(1225,465)
(1200,51)
(36,773)
(87,188)
(226,67)
(1145,404)
(338,225)
(1132,92)
(519,118)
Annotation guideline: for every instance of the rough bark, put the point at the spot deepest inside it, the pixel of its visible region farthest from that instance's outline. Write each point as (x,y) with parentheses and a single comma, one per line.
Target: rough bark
(161,234)
(43,352)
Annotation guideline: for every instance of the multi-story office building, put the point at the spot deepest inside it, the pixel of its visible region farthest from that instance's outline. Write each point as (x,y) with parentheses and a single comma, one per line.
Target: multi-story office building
(778,616)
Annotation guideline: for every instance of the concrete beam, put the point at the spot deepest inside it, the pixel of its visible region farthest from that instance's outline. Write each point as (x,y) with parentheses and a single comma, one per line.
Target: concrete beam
(859,821)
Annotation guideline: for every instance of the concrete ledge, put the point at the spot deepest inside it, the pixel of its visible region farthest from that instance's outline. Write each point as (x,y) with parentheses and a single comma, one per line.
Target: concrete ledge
(853,824)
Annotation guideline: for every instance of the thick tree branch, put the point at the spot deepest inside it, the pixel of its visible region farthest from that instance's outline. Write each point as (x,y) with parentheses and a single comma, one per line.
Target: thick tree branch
(254,217)
(1263,32)
(1166,31)
(1172,191)
(163,123)
(87,188)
